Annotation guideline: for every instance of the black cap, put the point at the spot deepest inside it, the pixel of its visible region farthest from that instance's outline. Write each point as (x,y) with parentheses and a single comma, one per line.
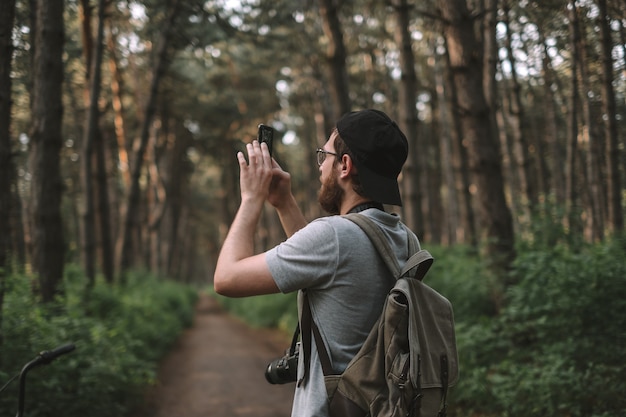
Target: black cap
(379,148)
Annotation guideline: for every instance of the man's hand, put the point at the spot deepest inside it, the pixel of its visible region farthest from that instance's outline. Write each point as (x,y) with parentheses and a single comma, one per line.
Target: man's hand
(239,272)
(255,174)
(280,187)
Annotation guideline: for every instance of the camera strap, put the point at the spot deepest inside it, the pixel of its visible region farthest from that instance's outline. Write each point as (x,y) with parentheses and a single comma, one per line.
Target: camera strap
(367,205)
(308,327)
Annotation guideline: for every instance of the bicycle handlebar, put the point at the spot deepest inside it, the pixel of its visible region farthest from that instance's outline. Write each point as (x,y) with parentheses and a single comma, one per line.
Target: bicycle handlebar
(43,358)
(48,356)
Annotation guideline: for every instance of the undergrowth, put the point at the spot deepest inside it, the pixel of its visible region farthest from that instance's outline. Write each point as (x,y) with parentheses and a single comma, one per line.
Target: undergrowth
(120,333)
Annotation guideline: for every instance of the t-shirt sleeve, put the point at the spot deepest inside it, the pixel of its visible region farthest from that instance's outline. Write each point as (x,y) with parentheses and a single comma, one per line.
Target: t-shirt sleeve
(308,259)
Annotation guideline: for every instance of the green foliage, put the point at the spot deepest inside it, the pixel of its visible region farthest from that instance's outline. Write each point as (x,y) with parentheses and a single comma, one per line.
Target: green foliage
(557,349)
(120,333)
(462,278)
(274,310)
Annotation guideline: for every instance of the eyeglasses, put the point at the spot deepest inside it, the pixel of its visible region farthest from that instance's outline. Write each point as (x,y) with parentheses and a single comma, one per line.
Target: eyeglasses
(321,155)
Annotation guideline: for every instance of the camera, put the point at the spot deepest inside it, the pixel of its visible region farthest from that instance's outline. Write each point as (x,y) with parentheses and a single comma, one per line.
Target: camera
(283,370)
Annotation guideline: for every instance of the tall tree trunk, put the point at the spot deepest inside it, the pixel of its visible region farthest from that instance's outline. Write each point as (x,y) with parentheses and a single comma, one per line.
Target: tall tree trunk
(451,214)
(118,107)
(432,178)
(46,138)
(571,188)
(408,121)
(460,159)
(7,14)
(130,222)
(484,152)
(595,218)
(336,55)
(176,183)
(93,58)
(555,147)
(609,110)
(517,119)
(103,209)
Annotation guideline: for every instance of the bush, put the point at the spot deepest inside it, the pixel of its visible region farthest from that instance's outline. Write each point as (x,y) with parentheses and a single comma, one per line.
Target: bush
(274,310)
(120,333)
(462,278)
(558,347)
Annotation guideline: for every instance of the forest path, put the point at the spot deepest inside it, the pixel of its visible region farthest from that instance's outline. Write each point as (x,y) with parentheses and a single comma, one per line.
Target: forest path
(216,369)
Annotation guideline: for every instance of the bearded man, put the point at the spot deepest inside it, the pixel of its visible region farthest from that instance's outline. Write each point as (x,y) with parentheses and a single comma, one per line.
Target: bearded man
(330,258)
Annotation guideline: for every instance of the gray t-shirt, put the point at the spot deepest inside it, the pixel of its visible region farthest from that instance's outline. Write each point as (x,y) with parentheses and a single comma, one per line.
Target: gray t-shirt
(347,283)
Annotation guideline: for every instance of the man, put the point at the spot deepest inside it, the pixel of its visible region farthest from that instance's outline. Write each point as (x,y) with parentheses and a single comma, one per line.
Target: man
(331,258)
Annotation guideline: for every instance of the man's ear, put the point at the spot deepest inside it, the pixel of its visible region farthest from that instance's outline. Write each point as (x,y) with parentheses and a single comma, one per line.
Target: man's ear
(347,166)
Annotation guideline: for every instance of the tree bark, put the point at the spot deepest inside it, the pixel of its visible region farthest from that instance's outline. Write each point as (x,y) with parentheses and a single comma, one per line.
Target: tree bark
(571,188)
(595,219)
(130,222)
(519,130)
(475,118)
(552,136)
(451,214)
(93,57)
(7,14)
(609,110)
(46,139)
(408,121)
(118,107)
(336,55)
(460,162)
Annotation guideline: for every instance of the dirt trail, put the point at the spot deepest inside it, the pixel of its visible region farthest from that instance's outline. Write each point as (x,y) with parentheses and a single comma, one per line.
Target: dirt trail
(216,369)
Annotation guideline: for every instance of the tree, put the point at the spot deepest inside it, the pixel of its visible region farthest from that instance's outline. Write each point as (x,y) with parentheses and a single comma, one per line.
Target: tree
(614,186)
(93,58)
(7,14)
(571,179)
(46,142)
(336,57)
(130,221)
(483,150)
(517,117)
(408,121)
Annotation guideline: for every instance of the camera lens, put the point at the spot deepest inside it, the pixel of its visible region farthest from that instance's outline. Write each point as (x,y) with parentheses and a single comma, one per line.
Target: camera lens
(282,371)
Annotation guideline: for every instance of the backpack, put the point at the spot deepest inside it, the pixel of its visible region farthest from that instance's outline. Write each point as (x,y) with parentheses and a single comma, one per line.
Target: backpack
(409,358)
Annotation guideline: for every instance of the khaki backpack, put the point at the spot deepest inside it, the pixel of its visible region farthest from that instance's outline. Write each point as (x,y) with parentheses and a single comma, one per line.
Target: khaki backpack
(409,359)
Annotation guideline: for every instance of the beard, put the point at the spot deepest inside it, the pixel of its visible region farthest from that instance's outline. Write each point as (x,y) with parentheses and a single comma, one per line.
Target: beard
(330,194)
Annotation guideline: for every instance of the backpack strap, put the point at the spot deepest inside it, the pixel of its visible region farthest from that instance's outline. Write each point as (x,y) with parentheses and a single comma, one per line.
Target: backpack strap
(420,258)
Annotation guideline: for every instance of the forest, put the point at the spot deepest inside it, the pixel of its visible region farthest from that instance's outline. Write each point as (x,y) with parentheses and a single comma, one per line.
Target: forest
(120,121)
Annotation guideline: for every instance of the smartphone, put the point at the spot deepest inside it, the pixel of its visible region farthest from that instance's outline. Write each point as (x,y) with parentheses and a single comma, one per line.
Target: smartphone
(266,134)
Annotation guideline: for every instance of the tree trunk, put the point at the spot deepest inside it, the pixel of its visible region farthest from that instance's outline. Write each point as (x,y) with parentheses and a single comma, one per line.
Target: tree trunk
(595,199)
(177,184)
(571,188)
(609,110)
(47,140)
(460,161)
(451,213)
(118,108)
(517,119)
(130,222)
(7,13)
(432,178)
(93,57)
(336,55)
(552,136)
(484,152)
(408,121)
